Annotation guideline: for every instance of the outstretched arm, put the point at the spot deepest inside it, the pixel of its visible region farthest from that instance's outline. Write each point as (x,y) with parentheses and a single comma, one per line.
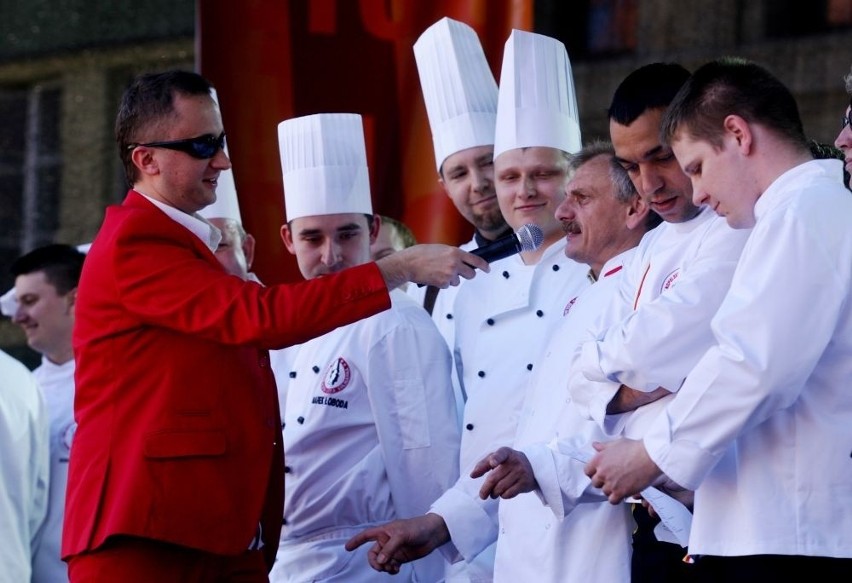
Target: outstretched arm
(433,264)
(401,541)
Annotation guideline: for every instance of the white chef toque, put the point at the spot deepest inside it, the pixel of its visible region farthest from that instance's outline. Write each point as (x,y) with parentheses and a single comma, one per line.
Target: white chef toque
(537,104)
(324,165)
(226,205)
(458,88)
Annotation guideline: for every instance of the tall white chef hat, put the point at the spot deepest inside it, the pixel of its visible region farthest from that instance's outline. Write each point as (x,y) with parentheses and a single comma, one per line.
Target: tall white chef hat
(537,105)
(324,164)
(226,205)
(458,88)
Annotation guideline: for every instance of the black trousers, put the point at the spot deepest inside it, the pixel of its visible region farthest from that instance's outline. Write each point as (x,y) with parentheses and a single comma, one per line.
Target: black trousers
(771,568)
(654,561)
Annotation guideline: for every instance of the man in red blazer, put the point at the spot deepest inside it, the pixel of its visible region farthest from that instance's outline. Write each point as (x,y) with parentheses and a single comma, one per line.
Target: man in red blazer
(176,471)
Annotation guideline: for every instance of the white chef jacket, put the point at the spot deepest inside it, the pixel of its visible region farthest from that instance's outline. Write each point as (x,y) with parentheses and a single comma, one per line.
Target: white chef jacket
(504,320)
(443,316)
(370,435)
(569,542)
(57,385)
(281,363)
(764,421)
(24,468)
(671,289)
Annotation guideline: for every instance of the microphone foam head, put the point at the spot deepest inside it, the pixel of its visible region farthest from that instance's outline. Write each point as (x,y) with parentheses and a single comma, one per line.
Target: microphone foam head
(531,237)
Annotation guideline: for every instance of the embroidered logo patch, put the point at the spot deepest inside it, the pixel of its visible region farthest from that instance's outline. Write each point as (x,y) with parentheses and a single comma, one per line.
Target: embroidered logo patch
(669,281)
(568,306)
(337,377)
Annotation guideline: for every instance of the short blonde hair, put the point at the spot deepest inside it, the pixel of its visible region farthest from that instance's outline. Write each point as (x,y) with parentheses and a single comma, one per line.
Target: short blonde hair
(401,235)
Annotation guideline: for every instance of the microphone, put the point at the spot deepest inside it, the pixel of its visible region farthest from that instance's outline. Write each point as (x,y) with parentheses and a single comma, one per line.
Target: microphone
(527,238)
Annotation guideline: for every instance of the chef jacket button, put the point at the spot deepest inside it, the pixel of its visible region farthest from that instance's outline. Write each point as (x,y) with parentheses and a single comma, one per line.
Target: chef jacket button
(300,420)
(506,274)
(283,522)
(449,316)
(292,374)
(287,469)
(283,425)
(315,368)
(529,366)
(539,313)
(481,374)
(490,321)
(469,426)
(555,268)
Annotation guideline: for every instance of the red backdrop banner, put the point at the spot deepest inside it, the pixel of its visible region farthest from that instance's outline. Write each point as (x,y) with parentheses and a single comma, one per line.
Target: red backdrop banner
(271,60)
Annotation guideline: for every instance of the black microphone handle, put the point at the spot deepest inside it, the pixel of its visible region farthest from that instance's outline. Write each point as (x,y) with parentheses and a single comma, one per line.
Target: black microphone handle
(499,249)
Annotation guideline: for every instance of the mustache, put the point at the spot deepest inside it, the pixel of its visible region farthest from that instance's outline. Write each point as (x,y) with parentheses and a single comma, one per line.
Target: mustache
(571,228)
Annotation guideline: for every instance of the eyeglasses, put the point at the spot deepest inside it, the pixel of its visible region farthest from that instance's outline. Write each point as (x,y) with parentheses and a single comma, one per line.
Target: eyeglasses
(845,120)
(203,147)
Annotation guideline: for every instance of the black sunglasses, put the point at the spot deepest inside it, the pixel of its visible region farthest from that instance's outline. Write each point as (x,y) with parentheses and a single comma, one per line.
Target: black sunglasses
(203,147)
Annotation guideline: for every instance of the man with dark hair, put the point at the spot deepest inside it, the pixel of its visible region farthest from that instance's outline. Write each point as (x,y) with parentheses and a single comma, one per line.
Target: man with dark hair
(756,424)
(177,469)
(657,327)
(367,406)
(460,95)
(46,288)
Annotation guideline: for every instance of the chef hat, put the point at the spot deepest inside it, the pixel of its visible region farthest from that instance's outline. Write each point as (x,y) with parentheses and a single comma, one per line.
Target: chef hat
(226,205)
(8,301)
(537,105)
(324,163)
(458,88)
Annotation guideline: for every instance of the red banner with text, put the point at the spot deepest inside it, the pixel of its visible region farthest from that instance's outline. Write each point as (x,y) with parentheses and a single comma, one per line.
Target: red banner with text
(271,60)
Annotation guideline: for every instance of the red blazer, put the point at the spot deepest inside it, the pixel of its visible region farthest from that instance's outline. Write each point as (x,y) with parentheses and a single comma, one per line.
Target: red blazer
(178,434)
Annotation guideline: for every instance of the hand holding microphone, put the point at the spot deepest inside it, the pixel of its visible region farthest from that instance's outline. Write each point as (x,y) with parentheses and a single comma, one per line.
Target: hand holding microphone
(527,238)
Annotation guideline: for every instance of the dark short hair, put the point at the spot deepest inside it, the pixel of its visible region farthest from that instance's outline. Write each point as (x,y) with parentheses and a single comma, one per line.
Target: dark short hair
(650,87)
(61,265)
(732,86)
(147,102)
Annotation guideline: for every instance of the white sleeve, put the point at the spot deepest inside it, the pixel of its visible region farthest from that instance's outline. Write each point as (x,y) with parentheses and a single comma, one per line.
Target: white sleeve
(24,468)
(472,522)
(658,343)
(562,482)
(758,366)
